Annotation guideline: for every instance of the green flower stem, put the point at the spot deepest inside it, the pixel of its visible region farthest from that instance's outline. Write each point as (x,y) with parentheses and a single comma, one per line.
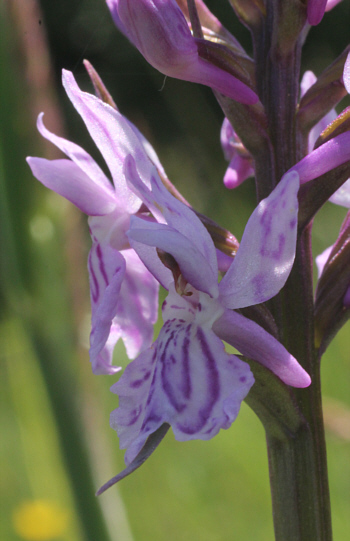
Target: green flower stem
(296,451)
(298,478)
(298,464)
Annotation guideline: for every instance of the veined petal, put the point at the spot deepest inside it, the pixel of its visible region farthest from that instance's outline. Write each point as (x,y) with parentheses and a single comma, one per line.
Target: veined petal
(124,299)
(114,137)
(257,344)
(67,179)
(267,250)
(138,305)
(79,156)
(193,265)
(166,207)
(106,271)
(185,379)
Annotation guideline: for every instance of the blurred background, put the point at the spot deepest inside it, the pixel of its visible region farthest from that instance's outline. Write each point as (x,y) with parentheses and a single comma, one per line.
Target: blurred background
(56,445)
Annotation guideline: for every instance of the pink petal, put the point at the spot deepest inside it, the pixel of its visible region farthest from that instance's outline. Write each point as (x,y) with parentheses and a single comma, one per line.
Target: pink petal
(342,195)
(315,11)
(322,259)
(79,156)
(237,172)
(149,257)
(137,307)
(267,250)
(67,179)
(124,300)
(325,158)
(106,271)
(114,137)
(193,264)
(331,4)
(166,207)
(346,74)
(257,344)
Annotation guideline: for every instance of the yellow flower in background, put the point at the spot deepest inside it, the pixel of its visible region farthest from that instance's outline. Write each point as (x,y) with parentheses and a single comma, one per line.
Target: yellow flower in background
(40,520)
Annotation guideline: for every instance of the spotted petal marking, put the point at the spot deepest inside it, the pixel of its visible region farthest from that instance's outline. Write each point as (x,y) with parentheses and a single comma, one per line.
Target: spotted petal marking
(185,379)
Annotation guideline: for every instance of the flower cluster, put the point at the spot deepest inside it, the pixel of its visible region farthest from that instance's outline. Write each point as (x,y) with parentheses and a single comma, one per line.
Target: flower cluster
(143,236)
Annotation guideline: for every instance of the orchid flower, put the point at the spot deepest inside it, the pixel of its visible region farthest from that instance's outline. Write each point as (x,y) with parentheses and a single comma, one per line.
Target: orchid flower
(124,295)
(159,30)
(186,378)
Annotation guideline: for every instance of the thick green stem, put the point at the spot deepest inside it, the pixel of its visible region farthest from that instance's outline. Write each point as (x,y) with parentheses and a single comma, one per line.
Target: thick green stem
(298,464)
(298,478)
(297,458)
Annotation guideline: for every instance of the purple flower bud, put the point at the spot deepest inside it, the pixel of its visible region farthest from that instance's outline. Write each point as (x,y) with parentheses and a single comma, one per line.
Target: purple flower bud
(240,166)
(159,30)
(315,11)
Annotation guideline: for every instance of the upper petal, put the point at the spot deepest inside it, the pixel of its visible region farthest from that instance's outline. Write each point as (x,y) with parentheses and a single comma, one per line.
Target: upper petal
(114,137)
(67,179)
(79,156)
(267,250)
(180,217)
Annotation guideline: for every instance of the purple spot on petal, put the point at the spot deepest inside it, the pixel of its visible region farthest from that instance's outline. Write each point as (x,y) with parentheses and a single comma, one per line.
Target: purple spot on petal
(293,223)
(135,414)
(213,388)
(149,421)
(138,382)
(259,284)
(267,251)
